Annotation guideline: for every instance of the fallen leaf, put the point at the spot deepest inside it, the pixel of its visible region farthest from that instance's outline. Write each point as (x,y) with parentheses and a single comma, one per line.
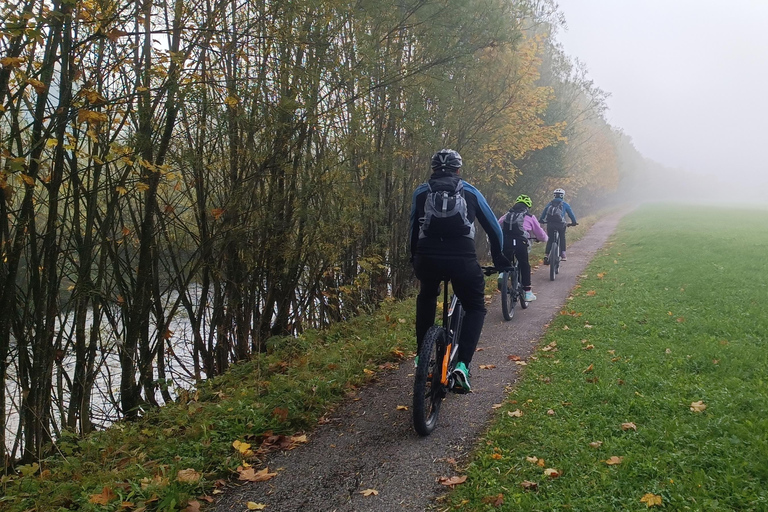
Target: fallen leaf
(496,501)
(402,407)
(188,476)
(651,500)
(532,459)
(698,406)
(541,463)
(566,328)
(521,363)
(104,497)
(589,368)
(614,460)
(591,293)
(367,371)
(251,475)
(551,472)
(596,444)
(528,485)
(514,358)
(628,426)
(369,492)
(588,347)
(192,506)
(680,320)
(668,351)
(496,456)
(600,275)
(551,412)
(588,326)
(241,447)
(452,481)
(255,506)
(487,366)
(497,406)
(515,414)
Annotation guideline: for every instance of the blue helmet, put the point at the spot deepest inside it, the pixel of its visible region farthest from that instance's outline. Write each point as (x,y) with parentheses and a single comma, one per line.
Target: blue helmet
(446,160)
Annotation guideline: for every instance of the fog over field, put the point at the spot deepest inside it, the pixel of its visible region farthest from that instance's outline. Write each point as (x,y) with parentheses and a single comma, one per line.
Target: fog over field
(687,82)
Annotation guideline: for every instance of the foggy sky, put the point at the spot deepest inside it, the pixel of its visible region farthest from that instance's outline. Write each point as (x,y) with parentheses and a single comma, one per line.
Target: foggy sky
(688,79)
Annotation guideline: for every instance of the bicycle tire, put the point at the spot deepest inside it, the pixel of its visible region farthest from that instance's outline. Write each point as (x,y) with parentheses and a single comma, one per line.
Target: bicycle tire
(508,295)
(554,258)
(427,389)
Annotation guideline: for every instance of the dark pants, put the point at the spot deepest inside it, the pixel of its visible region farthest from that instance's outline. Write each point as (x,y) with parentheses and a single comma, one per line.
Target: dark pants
(551,228)
(519,248)
(469,286)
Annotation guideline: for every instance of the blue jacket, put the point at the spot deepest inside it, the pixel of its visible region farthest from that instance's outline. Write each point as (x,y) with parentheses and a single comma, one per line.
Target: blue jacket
(566,207)
(477,208)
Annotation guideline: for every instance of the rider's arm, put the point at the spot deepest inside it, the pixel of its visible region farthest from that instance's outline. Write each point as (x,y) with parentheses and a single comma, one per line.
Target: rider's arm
(543,213)
(532,225)
(569,211)
(414,231)
(488,220)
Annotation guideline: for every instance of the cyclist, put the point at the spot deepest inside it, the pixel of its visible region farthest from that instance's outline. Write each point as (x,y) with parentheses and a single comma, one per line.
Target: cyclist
(554,215)
(517,225)
(442,245)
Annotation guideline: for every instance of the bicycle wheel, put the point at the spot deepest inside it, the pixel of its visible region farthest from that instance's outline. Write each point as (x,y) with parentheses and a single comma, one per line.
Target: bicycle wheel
(554,259)
(427,389)
(521,293)
(508,295)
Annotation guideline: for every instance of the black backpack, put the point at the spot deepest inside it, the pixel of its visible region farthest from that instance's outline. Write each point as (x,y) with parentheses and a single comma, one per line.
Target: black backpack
(445,212)
(513,223)
(555,214)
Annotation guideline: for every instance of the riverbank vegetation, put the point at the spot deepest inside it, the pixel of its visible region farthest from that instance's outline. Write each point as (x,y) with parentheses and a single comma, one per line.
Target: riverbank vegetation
(185,184)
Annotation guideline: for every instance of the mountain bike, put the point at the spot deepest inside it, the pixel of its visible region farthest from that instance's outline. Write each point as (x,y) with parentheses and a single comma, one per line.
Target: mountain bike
(437,359)
(511,287)
(554,254)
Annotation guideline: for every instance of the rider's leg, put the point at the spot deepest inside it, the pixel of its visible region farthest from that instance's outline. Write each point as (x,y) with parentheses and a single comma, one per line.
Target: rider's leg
(469,286)
(521,253)
(562,242)
(426,301)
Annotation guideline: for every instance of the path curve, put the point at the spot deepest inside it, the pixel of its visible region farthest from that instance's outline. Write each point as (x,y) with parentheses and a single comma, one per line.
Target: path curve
(369,444)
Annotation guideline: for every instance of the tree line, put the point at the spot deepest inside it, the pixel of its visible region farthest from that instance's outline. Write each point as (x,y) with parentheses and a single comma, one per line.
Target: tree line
(245,169)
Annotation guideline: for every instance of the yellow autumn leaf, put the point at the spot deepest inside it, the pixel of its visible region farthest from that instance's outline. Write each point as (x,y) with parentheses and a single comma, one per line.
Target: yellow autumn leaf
(104,497)
(628,426)
(515,414)
(11,62)
(241,446)
(232,101)
(29,180)
(532,459)
(91,117)
(612,461)
(698,406)
(651,500)
(596,444)
(39,86)
(142,187)
(255,506)
(369,492)
(487,366)
(496,456)
(589,368)
(402,407)
(551,473)
(121,190)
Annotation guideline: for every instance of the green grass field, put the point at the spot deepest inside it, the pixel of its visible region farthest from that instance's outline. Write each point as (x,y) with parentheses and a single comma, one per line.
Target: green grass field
(650,388)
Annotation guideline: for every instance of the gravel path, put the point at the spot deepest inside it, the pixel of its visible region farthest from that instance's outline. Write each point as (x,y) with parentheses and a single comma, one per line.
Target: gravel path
(370,444)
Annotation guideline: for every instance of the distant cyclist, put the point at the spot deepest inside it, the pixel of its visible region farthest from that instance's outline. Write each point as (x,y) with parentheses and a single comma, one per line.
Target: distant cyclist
(442,244)
(517,225)
(554,215)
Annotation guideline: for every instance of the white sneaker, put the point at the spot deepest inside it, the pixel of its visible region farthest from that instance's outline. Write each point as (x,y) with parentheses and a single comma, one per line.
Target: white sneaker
(529,296)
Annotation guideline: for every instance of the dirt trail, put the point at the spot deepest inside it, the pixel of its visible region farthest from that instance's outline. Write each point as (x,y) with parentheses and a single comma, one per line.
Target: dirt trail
(369,444)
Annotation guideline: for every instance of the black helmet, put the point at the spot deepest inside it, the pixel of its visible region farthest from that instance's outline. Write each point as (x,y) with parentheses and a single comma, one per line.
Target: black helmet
(446,160)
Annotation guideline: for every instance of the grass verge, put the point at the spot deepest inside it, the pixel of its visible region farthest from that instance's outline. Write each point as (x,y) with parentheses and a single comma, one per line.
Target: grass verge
(176,455)
(650,388)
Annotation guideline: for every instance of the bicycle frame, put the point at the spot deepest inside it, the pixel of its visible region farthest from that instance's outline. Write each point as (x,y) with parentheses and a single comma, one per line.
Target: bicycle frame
(452,325)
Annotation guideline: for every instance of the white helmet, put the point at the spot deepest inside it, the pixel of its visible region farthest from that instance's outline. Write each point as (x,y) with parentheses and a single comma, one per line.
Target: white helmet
(559,192)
